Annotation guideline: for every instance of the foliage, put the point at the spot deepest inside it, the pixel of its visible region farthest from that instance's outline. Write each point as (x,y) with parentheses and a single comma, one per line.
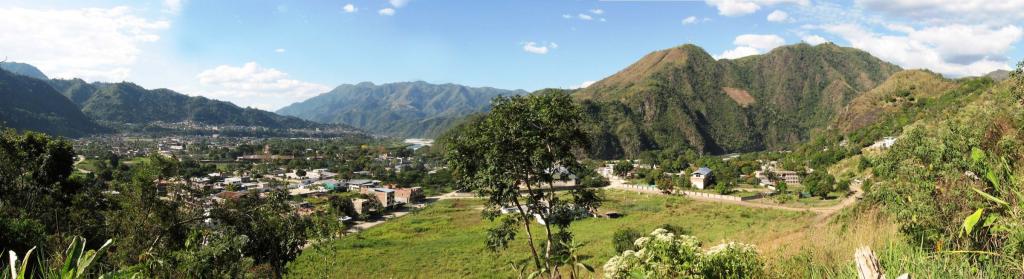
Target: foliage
(403,109)
(666,255)
(76,261)
(531,142)
(624,238)
(819,183)
(31,104)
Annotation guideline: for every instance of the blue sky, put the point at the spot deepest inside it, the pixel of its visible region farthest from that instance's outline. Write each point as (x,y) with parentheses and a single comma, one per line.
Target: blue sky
(271,53)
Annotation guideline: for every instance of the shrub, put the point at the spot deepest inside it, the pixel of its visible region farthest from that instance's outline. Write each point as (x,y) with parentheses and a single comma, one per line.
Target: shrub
(623,239)
(663,254)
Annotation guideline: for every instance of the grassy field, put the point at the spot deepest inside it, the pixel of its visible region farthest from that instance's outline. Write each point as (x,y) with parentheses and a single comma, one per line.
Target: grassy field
(446,240)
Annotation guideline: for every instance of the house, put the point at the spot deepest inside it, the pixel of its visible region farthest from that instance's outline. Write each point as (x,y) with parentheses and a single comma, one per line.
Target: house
(333,185)
(701,178)
(385,196)
(408,195)
(356,185)
(790,177)
(361,206)
(885,143)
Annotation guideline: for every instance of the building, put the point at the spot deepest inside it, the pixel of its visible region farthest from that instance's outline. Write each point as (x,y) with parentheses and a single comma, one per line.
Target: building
(385,196)
(356,185)
(701,178)
(408,195)
(361,206)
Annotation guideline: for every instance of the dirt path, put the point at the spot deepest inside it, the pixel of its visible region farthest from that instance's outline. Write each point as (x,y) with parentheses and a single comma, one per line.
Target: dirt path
(823,213)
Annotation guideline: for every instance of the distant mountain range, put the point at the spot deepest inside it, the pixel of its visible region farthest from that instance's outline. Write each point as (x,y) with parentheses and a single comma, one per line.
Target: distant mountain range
(31,104)
(682,98)
(403,109)
(113,104)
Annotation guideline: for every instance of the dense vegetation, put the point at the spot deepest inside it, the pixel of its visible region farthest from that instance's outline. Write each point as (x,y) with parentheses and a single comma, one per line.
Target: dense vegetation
(404,109)
(120,103)
(682,98)
(23,69)
(31,104)
(159,228)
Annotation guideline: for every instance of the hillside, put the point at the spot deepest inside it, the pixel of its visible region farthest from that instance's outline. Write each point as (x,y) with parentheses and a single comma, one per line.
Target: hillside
(31,104)
(23,69)
(682,98)
(404,109)
(120,103)
(901,90)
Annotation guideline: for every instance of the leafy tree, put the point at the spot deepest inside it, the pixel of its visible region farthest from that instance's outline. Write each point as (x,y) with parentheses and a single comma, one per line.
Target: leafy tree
(522,144)
(819,183)
(781,187)
(624,238)
(622,168)
(275,232)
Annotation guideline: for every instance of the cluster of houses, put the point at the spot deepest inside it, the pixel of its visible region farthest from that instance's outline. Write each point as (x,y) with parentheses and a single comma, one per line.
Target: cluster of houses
(771,174)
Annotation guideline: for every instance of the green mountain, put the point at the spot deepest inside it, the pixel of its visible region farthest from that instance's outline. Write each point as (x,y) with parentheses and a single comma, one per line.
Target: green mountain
(682,98)
(405,109)
(31,104)
(129,103)
(23,69)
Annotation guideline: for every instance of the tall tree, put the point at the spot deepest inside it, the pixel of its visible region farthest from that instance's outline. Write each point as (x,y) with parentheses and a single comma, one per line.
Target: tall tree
(513,156)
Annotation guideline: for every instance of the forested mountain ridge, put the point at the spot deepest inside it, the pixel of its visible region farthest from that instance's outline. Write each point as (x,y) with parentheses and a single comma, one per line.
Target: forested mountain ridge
(23,69)
(405,109)
(31,104)
(682,98)
(120,103)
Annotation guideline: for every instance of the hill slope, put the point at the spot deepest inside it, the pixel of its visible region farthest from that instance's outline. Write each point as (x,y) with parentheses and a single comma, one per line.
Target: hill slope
(406,109)
(121,103)
(31,104)
(23,69)
(682,98)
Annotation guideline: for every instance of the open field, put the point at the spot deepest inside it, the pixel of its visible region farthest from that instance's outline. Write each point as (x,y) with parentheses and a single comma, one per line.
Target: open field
(447,239)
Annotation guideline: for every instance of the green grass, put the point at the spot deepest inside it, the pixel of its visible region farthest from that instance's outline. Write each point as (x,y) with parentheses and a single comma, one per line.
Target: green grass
(447,239)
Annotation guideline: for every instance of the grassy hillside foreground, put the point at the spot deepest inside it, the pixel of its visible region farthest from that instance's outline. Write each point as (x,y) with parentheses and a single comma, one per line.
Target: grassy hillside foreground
(447,239)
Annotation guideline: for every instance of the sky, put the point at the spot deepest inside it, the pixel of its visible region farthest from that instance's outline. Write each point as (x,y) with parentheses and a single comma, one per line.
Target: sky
(271,53)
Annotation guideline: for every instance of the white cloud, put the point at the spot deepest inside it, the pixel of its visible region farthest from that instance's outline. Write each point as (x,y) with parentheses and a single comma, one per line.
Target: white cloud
(349,8)
(738,52)
(254,85)
(539,48)
(597,11)
(814,40)
(778,16)
(386,12)
(752,44)
(689,20)
(945,11)
(745,7)
(585,84)
(762,42)
(173,6)
(280,50)
(585,17)
(956,50)
(566,16)
(93,44)
(398,3)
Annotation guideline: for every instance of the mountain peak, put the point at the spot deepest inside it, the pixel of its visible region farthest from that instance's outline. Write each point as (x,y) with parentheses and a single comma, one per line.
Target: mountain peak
(23,69)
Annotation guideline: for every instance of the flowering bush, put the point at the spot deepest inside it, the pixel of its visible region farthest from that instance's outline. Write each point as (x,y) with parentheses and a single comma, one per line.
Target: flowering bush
(663,254)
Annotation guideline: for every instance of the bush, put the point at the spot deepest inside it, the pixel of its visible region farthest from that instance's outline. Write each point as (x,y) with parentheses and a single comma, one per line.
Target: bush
(663,254)
(623,239)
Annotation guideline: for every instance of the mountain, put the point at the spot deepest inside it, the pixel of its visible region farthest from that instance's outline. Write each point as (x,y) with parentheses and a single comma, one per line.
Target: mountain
(23,69)
(999,75)
(129,103)
(31,104)
(901,90)
(682,98)
(404,109)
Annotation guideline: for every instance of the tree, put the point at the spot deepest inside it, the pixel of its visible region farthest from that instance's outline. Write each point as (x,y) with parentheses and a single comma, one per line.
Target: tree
(819,183)
(622,168)
(275,233)
(520,146)
(624,238)
(781,187)
(665,184)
